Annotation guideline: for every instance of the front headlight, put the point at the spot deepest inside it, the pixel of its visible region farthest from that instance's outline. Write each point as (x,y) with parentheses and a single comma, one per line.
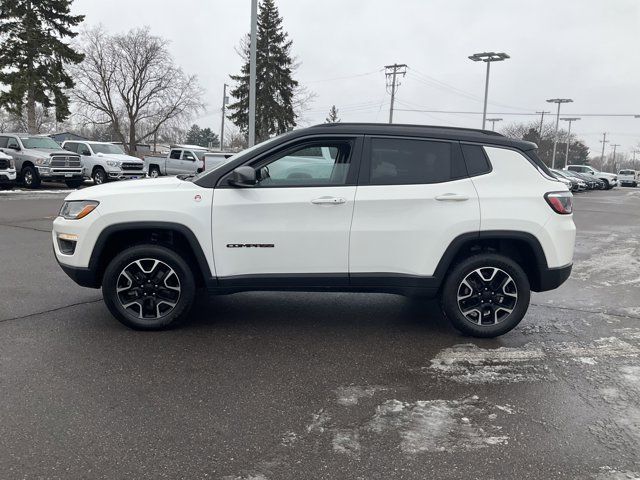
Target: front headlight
(12,163)
(43,161)
(112,163)
(77,209)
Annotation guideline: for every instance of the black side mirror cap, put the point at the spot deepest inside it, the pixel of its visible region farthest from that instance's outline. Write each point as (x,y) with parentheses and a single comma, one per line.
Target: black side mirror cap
(14,147)
(243,177)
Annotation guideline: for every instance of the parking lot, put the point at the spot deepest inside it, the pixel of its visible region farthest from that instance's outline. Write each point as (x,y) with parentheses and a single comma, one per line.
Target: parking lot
(270,386)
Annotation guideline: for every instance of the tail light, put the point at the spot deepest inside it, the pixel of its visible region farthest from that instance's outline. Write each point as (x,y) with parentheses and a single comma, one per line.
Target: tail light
(560,202)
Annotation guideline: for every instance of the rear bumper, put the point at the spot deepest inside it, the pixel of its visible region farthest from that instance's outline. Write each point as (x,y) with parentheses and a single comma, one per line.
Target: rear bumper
(552,278)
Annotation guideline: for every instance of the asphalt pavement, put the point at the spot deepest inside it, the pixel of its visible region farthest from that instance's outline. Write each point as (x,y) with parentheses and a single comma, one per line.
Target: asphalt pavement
(268,386)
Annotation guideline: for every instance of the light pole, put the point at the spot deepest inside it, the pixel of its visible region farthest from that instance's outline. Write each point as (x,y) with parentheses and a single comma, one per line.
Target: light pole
(487,57)
(252,73)
(570,120)
(225,100)
(493,122)
(559,101)
(615,146)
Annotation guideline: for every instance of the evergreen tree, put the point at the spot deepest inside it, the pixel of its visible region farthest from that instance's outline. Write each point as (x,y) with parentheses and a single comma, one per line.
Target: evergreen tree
(193,135)
(275,86)
(333,115)
(34,54)
(208,138)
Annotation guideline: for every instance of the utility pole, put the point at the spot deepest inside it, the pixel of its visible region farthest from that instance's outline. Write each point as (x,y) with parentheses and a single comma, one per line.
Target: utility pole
(566,155)
(603,142)
(634,158)
(542,113)
(487,57)
(392,71)
(614,145)
(225,100)
(559,101)
(493,122)
(252,73)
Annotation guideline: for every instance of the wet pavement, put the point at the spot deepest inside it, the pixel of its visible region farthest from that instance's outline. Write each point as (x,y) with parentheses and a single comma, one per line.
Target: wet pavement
(321,386)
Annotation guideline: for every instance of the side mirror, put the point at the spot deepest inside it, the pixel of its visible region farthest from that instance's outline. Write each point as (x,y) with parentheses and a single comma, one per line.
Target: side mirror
(86,153)
(243,177)
(14,147)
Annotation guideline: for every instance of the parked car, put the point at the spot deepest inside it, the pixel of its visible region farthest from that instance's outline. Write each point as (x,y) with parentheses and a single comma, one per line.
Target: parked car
(571,183)
(7,172)
(582,185)
(104,161)
(610,179)
(39,158)
(184,159)
(628,178)
(400,211)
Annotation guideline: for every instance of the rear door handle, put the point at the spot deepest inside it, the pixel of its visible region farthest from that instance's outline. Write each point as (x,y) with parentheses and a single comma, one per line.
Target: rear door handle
(328,201)
(452,197)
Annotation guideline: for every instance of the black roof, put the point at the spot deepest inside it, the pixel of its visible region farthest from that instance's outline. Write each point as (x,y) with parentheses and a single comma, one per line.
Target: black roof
(426,131)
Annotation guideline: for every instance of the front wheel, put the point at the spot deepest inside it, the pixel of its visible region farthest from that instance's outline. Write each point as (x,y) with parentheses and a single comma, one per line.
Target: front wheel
(486,295)
(30,177)
(99,176)
(148,287)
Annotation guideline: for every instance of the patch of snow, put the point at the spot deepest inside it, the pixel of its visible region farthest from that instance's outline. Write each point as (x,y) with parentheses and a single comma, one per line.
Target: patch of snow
(586,360)
(318,420)
(436,425)
(346,442)
(350,395)
(506,408)
(609,473)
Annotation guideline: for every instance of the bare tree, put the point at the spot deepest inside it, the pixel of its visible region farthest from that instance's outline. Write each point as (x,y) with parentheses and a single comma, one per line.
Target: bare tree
(130,82)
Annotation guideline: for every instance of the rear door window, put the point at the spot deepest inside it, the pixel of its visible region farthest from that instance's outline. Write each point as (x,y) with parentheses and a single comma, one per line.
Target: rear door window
(3,142)
(175,154)
(71,146)
(401,161)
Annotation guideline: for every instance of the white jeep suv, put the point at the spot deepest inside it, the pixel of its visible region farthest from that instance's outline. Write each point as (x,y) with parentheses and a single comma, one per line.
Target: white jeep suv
(468,215)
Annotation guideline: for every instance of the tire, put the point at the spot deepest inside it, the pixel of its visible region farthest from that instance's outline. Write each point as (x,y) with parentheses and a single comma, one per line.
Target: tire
(30,177)
(154,172)
(99,176)
(136,264)
(607,186)
(470,278)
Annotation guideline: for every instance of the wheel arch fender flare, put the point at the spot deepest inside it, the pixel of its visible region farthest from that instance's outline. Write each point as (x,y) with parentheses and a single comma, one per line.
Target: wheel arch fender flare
(149,226)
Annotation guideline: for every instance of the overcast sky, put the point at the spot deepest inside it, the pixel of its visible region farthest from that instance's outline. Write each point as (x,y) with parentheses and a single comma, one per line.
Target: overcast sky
(587,50)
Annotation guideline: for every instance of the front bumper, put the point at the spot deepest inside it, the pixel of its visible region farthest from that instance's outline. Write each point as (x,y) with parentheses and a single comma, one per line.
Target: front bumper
(7,177)
(59,173)
(126,174)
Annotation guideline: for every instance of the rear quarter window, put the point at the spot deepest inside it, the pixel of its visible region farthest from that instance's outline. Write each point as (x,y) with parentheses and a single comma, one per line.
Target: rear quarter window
(476,160)
(400,161)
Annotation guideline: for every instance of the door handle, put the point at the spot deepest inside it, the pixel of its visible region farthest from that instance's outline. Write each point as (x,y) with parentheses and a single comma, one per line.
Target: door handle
(452,197)
(328,201)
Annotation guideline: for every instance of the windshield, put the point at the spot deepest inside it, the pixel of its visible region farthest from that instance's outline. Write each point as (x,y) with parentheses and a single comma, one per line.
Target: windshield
(626,172)
(40,142)
(199,154)
(107,148)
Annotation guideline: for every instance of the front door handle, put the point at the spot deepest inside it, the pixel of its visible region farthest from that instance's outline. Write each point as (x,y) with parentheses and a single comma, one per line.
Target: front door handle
(452,197)
(328,201)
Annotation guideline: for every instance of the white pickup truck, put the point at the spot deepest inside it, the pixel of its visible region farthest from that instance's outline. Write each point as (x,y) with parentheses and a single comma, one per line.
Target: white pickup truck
(629,177)
(184,159)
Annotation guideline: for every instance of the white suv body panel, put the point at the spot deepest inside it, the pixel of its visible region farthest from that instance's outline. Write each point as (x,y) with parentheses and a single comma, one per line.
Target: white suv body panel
(405,229)
(306,237)
(155,200)
(510,201)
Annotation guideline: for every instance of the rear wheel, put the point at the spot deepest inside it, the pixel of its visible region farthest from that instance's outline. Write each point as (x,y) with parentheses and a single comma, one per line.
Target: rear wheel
(30,177)
(154,172)
(148,287)
(486,295)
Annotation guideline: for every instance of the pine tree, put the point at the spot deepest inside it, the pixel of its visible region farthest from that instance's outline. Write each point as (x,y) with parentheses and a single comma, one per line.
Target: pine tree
(193,135)
(275,86)
(208,138)
(33,56)
(333,115)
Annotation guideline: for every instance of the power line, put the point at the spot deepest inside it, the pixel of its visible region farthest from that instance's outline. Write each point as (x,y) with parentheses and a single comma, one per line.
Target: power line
(517,113)
(346,77)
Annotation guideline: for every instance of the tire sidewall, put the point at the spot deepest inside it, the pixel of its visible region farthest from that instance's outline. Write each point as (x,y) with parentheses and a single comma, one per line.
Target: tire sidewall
(449,294)
(35,181)
(168,256)
(99,171)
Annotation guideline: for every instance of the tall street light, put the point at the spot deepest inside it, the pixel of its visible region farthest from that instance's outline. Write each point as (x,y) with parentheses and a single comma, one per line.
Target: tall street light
(487,57)
(252,73)
(559,101)
(493,122)
(570,120)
